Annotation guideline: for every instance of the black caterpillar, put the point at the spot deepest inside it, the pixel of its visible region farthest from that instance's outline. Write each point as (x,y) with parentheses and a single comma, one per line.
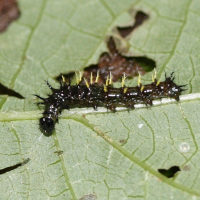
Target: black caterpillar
(94,95)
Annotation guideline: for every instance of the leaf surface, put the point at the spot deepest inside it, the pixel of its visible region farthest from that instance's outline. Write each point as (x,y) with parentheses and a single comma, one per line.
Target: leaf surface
(100,154)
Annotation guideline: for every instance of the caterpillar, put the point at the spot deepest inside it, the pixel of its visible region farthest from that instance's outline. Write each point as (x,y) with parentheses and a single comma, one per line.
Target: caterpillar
(94,95)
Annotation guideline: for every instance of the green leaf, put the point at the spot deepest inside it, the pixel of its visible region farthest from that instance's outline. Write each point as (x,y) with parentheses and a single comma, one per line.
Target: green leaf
(99,155)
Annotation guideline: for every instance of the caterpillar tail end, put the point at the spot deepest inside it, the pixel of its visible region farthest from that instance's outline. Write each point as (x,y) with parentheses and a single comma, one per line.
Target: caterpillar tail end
(47,126)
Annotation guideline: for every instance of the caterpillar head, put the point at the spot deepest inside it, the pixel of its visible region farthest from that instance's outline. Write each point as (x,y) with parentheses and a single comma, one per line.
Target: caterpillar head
(174,90)
(47,125)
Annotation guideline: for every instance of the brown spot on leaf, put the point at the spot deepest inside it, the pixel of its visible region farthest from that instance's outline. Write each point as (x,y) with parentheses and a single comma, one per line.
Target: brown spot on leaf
(186,168)
(89,197)
(8,12)
(140,17)
(122,141)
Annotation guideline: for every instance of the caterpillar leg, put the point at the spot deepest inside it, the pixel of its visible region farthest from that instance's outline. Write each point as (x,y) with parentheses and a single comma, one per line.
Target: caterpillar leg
(130,105)
(111,107)
(94,106)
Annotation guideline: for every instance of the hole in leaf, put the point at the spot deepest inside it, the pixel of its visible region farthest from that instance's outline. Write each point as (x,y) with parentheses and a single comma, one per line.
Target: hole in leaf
(4,90)
(118,64)
(140,17)
(146,63)
(8,169)
(114,62)
(169,173)
(8,12)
